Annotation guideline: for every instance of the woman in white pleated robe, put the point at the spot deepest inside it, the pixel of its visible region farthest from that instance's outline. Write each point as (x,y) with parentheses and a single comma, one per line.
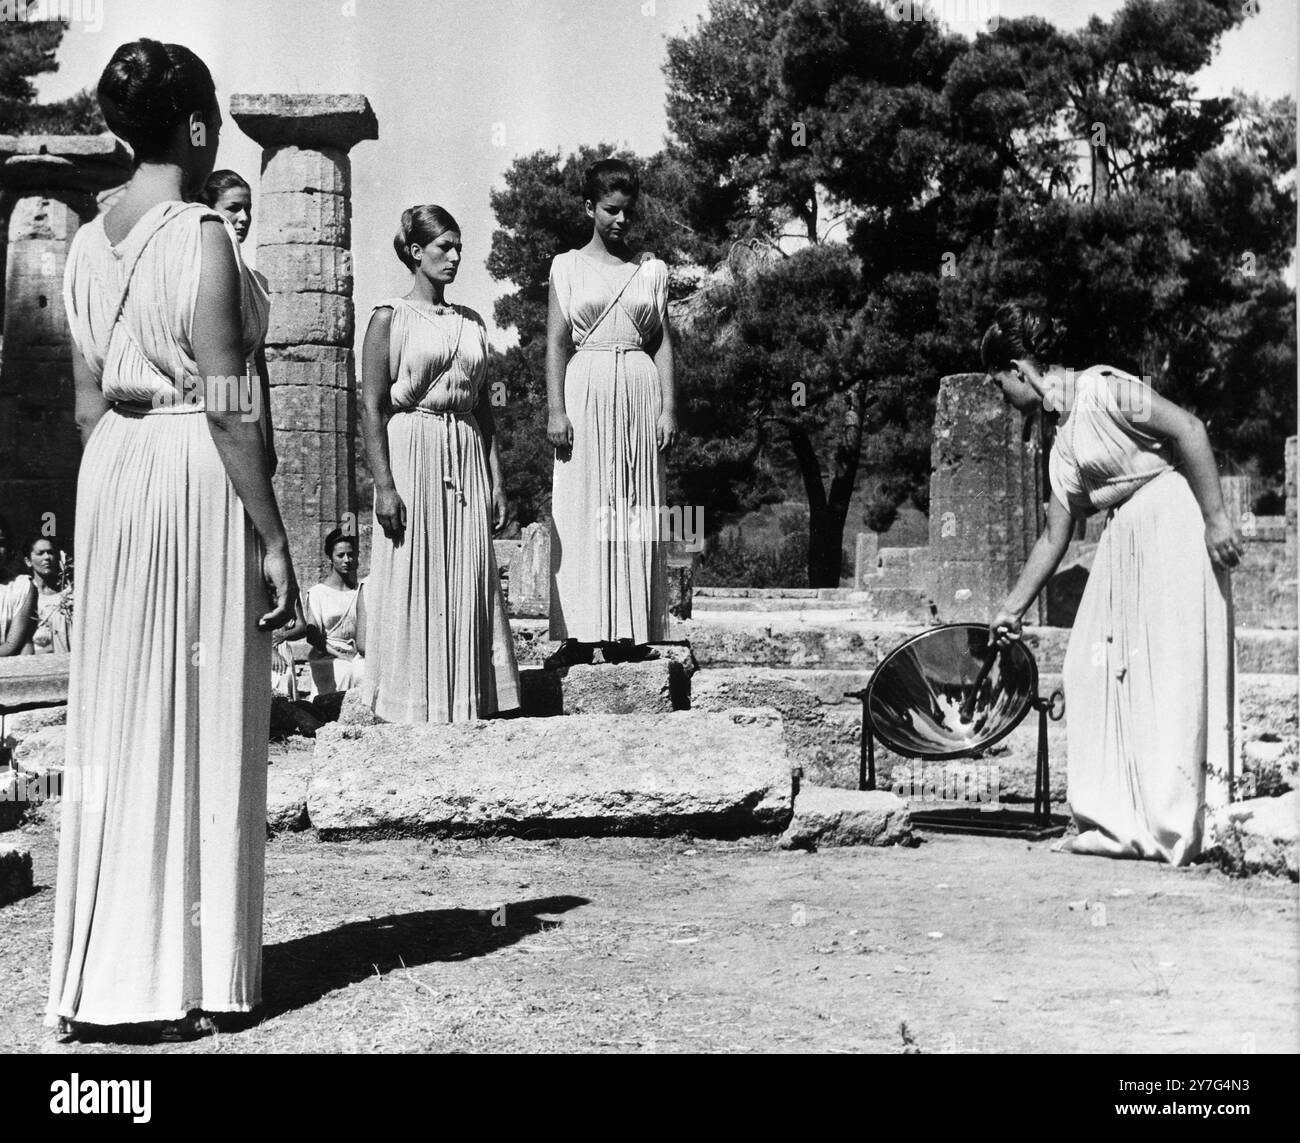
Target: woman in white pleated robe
(158,909)
(612,396)
(1149,671)
(438,640)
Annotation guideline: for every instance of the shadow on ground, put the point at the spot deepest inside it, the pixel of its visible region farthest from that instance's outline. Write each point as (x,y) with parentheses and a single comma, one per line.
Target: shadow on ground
(301,971)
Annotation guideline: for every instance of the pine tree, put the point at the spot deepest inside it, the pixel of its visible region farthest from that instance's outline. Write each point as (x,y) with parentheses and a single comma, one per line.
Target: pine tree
(27,49)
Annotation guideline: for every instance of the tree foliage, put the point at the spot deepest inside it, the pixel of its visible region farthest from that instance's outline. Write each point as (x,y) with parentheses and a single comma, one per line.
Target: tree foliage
(27,49)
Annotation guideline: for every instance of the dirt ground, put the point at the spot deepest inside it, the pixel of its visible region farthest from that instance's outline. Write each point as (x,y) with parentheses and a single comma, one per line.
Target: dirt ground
(962,944)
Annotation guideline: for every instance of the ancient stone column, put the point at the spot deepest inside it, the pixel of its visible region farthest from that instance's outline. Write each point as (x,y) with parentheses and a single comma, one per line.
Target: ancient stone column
(48,185)
(303,219)
(985,499)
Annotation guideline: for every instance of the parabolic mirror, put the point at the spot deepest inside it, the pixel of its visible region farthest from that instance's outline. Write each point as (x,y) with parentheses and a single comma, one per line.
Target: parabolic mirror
(915,696)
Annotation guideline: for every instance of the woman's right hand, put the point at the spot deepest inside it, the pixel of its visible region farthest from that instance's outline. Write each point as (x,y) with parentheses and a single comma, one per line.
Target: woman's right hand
(1004,628)
(1223,541)
(559,430)
(390,512)
(281,587)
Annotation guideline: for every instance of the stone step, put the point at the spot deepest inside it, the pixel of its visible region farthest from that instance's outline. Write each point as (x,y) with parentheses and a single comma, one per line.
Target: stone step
(724,774)
(659,686)
(31,681)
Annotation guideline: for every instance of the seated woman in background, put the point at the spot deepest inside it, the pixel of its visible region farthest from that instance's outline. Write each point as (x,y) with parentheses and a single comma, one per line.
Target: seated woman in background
(332,619)
(17,599)
(53,634)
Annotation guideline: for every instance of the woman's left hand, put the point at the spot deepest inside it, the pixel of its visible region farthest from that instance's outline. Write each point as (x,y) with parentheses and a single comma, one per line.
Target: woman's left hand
(500,507)
(1223,541)
(666,431)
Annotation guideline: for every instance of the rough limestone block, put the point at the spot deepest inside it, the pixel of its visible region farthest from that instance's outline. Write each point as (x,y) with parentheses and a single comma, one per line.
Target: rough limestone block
(720,774)
(19,726)
(530,573)
(304,217)
(291,269)
(1259,835)
(295,170)
(658,686)
(315,318)
(32,680)
(305,120)
(286,795)
(15,873)
(40,757)
(355,712)
(825,816)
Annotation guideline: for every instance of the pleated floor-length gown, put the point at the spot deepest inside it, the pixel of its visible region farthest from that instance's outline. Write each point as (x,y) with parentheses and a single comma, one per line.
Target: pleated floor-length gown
(1150,668)
(608,567)
(438,641)
(158,909)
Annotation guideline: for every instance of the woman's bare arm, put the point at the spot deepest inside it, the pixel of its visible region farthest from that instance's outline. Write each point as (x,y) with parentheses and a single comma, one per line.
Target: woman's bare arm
(375,410)
(21,627)
(559,348)
(1045,558)
(218,352)
(1151,413)
(90,402)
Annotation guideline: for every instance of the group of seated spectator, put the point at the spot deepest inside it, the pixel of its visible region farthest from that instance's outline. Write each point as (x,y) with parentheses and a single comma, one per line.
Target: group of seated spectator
(35,595)
(36,612)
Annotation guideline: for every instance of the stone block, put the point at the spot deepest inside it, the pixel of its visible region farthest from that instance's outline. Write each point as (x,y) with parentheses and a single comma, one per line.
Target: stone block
(15,873)
(605,688)
(320,319)
(286,795)
(295,268)
(717,774)
(1259,835)
(530,573)
(829,817)
(39,757)
(867,563)
(306,170)
(278,120)
(355,712)
(305,217)
(28,681)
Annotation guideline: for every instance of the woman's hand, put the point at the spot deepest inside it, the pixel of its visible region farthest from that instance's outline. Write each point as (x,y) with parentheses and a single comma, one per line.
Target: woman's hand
(1223,541)
(559,430)
(1004,629)
(666,430)
(500,507)
(390,512)
(281,588)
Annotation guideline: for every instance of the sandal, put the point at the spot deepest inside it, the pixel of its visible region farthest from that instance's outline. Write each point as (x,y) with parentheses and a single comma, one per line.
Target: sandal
(65,1031)
(192,1026)
(571,653)
(625,651)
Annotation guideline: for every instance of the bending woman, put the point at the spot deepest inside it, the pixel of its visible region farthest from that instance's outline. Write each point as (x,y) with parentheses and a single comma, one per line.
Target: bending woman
(438,638)
(1149,668)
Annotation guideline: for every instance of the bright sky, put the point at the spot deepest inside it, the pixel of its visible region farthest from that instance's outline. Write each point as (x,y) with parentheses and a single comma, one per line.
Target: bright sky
(462,87)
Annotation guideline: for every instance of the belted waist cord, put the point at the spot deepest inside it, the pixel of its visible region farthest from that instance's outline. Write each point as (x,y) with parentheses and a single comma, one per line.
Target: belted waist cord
(172,408)
(620,351)
(450,469)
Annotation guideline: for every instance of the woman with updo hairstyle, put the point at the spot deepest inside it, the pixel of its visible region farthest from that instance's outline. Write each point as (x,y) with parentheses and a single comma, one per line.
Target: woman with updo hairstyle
(1149,668)
(183,571)
(45,566)
(612,396)
(438,638)
(331,609)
